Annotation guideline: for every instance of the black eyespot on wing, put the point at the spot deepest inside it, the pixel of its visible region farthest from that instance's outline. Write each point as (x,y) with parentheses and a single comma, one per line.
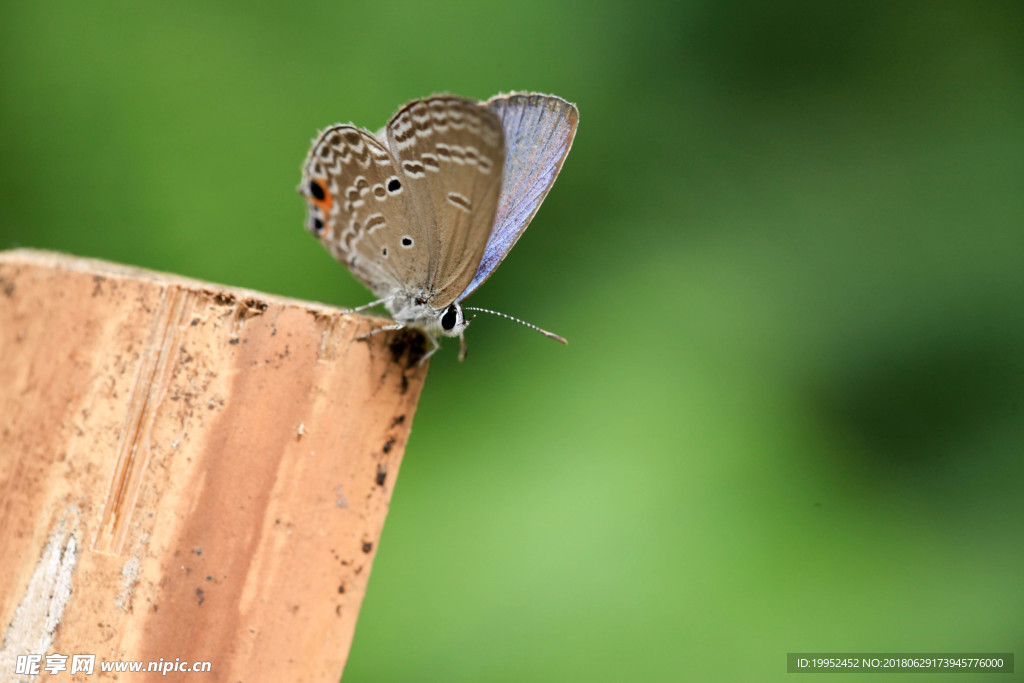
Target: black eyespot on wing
(316,190)
(449,318)
(318,226)
(394,185)
(406,241)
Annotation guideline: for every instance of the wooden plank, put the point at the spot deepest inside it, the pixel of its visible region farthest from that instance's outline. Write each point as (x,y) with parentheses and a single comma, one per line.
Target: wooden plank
(189,471)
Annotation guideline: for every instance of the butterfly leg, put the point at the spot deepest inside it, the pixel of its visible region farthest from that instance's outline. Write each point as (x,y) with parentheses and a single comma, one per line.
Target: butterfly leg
(434,347)
(401,326)
(462,348)
(364,307)
(386,328)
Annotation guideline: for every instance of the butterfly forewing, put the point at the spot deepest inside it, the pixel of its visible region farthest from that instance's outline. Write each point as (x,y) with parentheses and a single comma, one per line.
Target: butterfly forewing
(361,210)
(538,131)
(450,150)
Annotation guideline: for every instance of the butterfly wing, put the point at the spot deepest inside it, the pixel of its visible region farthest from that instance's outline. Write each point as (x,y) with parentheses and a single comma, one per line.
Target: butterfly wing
(451,152)
(360,208)
(539,130)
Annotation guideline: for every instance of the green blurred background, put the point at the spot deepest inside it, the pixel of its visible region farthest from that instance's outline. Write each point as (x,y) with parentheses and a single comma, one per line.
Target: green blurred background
(786,250)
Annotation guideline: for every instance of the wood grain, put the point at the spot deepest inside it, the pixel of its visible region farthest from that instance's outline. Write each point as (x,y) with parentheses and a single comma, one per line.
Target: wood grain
(190,471)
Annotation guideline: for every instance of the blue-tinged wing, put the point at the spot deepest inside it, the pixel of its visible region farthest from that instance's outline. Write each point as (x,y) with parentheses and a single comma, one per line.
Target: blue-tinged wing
(538,134)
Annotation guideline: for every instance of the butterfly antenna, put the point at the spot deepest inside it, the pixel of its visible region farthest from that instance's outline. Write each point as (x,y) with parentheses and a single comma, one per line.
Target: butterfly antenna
(549,335)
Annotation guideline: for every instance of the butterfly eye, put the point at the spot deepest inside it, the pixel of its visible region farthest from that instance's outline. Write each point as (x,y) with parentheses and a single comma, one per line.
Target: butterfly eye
(450,318)
(316,190)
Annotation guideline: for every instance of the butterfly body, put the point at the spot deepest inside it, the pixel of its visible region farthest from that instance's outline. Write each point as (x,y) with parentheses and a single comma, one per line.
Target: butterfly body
(423,212)
(413,311)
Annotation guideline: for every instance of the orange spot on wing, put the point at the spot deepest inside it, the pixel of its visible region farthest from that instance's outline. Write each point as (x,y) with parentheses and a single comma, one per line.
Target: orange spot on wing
(324,204)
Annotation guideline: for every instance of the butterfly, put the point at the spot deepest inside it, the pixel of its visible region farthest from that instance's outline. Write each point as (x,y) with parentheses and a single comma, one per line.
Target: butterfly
(423,212)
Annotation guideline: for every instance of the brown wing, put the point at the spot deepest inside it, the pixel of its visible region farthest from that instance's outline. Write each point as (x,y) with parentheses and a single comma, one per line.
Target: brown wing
(362,211)
(451,151)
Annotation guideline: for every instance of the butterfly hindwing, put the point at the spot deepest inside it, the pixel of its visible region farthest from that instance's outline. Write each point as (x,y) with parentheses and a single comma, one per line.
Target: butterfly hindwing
(538,131)
(361,210)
